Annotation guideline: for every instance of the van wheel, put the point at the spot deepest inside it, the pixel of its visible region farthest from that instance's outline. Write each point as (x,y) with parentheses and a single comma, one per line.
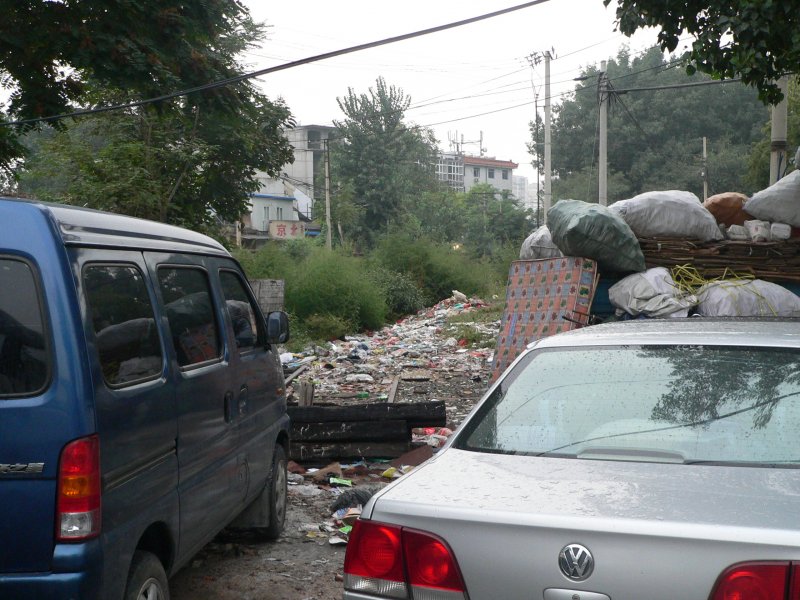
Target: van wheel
(147,579)
(278,495)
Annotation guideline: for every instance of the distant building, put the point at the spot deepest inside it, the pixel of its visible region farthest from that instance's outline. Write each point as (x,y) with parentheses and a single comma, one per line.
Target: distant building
(450,170)
(482,169)
(462,172)
(284,206)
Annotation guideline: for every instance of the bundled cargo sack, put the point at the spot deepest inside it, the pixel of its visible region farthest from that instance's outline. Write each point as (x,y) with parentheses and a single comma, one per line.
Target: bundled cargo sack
(728,208)
(758,231)
(650,294)
(780,202)
(593,231)
(747,298)
(780,231)
(670,213)
(737,232)
(539,244)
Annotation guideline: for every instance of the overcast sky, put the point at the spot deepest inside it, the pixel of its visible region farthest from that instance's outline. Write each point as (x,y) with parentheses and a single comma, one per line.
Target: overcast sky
(485,60)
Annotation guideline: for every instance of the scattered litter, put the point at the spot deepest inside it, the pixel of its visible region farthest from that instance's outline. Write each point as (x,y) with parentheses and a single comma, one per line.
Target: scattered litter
(339,481)
(337,541)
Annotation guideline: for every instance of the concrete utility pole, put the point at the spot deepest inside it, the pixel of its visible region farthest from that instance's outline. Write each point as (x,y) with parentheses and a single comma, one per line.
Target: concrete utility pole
(547,193)
(602,160)
(705,170)
(778,145)
(328,240)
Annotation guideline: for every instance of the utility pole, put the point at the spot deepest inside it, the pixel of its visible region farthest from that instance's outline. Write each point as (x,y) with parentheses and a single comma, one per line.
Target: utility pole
(547,193)
(602,160)
(778,145)
(705,170)
(328,240)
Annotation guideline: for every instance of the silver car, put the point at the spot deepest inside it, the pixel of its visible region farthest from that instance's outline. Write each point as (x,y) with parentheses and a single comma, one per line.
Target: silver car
(634,461)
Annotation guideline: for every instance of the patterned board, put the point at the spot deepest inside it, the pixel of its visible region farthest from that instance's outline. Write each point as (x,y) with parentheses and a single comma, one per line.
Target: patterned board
(539,295)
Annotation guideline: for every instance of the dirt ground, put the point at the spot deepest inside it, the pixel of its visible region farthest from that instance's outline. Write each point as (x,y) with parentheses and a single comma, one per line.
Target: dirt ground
(303,564)
(300,565)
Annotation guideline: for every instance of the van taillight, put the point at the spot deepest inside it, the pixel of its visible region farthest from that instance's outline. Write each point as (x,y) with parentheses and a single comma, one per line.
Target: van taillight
(78,501)
(390,561)
(759,581)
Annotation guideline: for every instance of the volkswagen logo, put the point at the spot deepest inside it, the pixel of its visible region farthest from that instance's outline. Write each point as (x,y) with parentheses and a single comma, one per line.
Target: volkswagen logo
(576,562)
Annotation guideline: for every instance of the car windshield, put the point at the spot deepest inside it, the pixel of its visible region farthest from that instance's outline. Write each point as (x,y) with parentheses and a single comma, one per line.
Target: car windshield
(684,404)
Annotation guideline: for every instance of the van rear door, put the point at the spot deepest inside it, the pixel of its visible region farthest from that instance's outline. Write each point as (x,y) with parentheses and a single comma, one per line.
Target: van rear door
(44,401)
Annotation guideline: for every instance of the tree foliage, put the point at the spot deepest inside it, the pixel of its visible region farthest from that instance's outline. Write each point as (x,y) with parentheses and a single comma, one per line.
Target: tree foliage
(185,160)
(757,41)
(654,137)
(384,161)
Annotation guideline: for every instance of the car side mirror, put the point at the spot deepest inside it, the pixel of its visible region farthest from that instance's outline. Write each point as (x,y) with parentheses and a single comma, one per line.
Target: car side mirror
(277,327)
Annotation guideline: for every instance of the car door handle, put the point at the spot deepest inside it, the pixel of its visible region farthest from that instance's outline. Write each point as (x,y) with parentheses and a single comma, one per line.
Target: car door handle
(242,400)
(229,414)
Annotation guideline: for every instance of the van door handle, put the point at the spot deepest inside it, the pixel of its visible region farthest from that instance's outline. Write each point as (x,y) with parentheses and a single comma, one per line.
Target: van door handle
(228,407)
(242,400)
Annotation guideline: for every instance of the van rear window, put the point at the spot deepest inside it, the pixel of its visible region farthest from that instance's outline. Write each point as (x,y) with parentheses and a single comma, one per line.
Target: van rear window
(23,353)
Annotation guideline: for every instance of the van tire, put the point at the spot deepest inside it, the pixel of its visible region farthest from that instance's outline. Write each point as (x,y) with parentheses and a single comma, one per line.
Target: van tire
(277,492)
(146,579)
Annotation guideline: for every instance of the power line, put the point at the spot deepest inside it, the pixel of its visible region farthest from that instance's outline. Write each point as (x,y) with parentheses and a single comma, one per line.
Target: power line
(289,65)
(679,85)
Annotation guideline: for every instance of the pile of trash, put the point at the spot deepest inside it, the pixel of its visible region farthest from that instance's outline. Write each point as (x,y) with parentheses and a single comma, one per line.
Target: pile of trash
(415,351)
(737,248)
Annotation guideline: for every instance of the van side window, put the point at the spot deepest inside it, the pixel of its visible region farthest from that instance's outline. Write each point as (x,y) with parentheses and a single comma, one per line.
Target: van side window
(23,354)
(187,300)
(241,311)
(123,322)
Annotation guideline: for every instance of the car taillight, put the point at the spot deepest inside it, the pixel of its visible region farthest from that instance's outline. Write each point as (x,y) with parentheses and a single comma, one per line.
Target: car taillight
(78,500)
(758,581)
(390,561)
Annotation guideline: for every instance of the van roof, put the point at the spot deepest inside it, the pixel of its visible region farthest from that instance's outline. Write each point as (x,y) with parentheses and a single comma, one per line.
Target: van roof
(87,227)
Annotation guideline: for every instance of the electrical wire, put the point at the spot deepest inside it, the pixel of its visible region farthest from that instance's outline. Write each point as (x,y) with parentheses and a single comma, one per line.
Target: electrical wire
(282,67)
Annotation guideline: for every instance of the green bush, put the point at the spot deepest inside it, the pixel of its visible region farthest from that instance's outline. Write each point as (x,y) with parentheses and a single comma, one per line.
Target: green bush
(327,327)
(403,296)
(272,261)
(329,283)
(437,268)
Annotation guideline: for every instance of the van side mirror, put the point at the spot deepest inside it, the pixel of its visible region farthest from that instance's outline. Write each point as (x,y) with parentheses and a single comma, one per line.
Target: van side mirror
(277,327)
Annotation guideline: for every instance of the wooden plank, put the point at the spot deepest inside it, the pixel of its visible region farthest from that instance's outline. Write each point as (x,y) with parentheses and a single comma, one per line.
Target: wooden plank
(305,451)
(417,414)
(305,393)
(351,431)
(393,389)
(296,373)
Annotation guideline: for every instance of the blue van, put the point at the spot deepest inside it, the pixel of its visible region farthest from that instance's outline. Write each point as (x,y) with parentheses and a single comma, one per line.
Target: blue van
(142,404)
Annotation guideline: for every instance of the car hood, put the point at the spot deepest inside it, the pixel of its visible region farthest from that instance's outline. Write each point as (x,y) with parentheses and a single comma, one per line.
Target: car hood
(613,495)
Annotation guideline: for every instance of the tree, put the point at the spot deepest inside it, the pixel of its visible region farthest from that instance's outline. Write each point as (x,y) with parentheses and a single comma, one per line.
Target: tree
(385,161)
(655,136)
(757,41)
(184,160)
(493,219)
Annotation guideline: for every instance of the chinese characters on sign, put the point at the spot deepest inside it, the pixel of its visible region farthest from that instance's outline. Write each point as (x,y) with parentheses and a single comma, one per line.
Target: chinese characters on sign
(287,230)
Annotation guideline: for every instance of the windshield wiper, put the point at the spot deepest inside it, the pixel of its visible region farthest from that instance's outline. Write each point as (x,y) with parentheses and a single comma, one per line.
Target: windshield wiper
(637,454)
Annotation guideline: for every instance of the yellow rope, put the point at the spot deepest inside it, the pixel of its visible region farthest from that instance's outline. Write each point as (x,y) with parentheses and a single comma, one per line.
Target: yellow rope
(688,280)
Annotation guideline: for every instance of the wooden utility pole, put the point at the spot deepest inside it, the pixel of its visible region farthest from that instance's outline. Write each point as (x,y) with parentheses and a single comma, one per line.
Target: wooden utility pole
(602,160)
(328,237)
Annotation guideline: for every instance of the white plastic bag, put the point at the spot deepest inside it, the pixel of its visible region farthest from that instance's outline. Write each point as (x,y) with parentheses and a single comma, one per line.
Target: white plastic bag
(780,231)
(652,294)
(737,232)
(671,213)
(758,231)
(539,244)
(779,202)
(747,298)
